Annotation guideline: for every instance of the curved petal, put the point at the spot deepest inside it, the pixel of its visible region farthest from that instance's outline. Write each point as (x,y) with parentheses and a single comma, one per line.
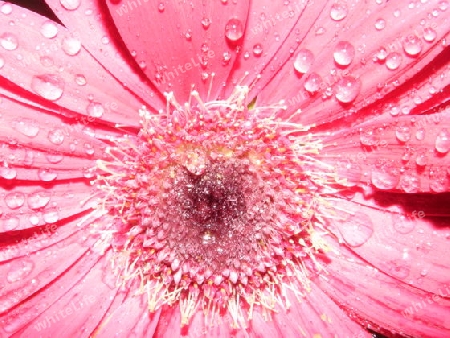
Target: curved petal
(345,69)
(407,153)
(380,301)
(48,61)
(184,43)
(90,22)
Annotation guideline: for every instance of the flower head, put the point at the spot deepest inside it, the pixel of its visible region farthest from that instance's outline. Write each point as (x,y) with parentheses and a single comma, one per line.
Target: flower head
(225,168)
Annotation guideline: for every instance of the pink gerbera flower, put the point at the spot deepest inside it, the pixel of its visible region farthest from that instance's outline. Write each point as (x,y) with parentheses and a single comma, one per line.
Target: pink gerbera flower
(225,168)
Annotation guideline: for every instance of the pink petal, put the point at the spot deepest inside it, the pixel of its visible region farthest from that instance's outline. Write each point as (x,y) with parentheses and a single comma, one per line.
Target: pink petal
(93,25)
(346,89)
(184,42)
(407,153)
(380,301)
(47,60)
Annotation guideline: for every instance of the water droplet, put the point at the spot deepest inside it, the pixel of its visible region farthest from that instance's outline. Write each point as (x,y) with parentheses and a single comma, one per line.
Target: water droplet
(188,35)
(80,80)
(161,7)
(403,133)
(9,41)
(381,54)
(420,134)
(303,61)
(385,178)
(8,173)
(38,199)
(71,46)
(313,83)
(429,34)
(19,269)
(54,158)
(357,229)
(399,270)
(46,175)
(344,52)
(56,136)
(393,61)
(422,158)
(443,5)
(380,24)
(257,49)
(95,109)
(234,30)
(47,61)
(409,183)
(49,29)
(49,86)
(443,141)
(27,128)
(206,23)
(338,12)
(412,45)
(70,5)
(51,217)
(2,62)
(347,89)
(6,8)
(14,200)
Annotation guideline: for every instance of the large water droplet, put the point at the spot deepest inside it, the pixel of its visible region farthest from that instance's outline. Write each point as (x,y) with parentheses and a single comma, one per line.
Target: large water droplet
(357,229)
(70,5)
(46,175)
(443,141)
(8,173)
(49,86)
(344,52)
(95,109)
(51,216)
(38,199)
(10,223)
(9,41)
(80,80)
(403,133)
(380,24)
(385,178)
(393,61)
(27,128)
(49,29)
(338,12)
(234,30)
(420,134)
(412,45)
(56,136)
(313,83)
(303,61)
(257,49)
(409,183)
(403,224)
(422,158)
(429,34)
(19,269)
(347,89)
(14,200)
(71,46)
(6,9)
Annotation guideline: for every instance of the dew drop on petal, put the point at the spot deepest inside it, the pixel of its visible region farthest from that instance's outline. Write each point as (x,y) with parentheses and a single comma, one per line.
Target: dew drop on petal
(442,143)
(161,7)
(6,9)
(206,23)
(95,109)
(429,34)
(234,30)
(54,158)
(38,199)
(385,178)
(357,229)
(409,183)
(8,173)
(380,24)
(10,223)
(51,217)
(70,5)
(403,133)
(56,136)
(347,89)
(257,49)
(19,269)
(71,46)
(80,79)
(49,86)
(412,45)
(313,83)
(344,52)
(422,158)
(420,134)
(14,200)
(46,175)
(303,61)
(9,41)
(49,29)
(393,61)
(27,128)
(338,12)
(399,269)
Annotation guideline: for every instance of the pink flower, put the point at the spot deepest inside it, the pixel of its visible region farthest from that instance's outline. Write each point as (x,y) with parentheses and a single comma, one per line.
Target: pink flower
(225,168)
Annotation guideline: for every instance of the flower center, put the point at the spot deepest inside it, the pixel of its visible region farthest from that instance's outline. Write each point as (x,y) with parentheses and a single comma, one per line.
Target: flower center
(212,205)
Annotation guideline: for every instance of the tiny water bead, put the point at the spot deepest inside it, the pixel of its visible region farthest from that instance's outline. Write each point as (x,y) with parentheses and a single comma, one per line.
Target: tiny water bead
(442,143)
(49,86)
(234,30)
